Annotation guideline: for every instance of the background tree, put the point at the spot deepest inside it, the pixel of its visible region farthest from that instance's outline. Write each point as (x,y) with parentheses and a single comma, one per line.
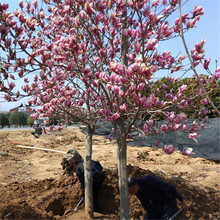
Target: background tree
(3,120)
(192,110)
(95,59)
(18,118)
(30,121)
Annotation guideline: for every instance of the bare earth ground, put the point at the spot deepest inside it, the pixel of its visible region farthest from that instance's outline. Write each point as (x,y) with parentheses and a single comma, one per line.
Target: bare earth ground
(32,185)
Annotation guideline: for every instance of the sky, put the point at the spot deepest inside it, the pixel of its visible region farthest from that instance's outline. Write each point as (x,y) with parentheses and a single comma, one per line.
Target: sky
(207,28)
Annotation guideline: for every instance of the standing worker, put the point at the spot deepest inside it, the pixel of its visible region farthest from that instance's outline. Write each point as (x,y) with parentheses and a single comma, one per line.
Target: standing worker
(157,197)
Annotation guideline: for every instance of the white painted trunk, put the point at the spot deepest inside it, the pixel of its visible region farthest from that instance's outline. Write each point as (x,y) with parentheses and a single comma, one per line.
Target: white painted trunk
(88,175)
(122,171)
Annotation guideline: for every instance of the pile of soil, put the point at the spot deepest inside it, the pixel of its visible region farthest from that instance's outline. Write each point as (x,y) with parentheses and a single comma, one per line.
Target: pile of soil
(56,198)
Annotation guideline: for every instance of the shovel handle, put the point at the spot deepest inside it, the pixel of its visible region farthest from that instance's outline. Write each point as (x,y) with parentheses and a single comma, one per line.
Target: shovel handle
(177,213)
(78,204)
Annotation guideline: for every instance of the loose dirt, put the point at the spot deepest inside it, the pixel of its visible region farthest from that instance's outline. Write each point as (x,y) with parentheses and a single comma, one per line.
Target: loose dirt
(32,184)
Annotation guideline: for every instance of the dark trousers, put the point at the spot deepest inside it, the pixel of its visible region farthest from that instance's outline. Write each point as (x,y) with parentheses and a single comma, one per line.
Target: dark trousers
(169,210)
(36,134)
(97,183)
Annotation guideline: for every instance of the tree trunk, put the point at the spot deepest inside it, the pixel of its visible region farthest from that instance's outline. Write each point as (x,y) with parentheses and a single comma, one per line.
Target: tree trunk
(88,175)
(122,170)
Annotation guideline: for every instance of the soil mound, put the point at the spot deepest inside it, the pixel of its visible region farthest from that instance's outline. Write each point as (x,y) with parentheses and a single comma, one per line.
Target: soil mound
(55,198)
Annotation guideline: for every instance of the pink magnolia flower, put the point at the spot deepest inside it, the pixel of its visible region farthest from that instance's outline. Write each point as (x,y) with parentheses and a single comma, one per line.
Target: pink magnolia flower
(96,59)
(110,138)
(116,89)
(98,18)
(102,52)
(206,118)
(88,8)
(7,97)
(11,85)
(155,3)
(145,128)
(206,63)
(128,136)
(17,94)
(172,116)
(51,127)
(204,102)
(59,128)
(169,149)
(101,111)
(35,3)
(137,47)
(123,107)
(106,112)
(142,100)
(140,86)
(125,32)
(176,126)
(180,117)
(109,86)
(198,10)
(46,122)
(34,116)
(44,130)
(81,102)
(151,43)
(102,76)
(164,86)
(121,94)
(115,116)
(185,126)
(112,77)
(187,151)
(157,143)
(35,78)
(167,9)
(164,128)
(150,122)
(193,135)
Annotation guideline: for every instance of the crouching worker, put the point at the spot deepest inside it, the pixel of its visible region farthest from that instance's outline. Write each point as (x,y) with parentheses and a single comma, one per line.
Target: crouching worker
(97,179)
(73,162)
(157,197)
(70,161)
(38,129)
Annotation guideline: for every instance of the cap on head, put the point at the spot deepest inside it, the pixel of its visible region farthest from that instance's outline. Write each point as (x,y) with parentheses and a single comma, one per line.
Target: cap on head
(36,122)
(72,153)
(131,181)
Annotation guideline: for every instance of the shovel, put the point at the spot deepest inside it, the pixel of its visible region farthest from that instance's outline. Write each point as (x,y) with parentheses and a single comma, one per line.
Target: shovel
(77,206)
(177,213)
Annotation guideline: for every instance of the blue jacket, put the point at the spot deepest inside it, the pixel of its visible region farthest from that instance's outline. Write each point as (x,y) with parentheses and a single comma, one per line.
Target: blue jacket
(154,193)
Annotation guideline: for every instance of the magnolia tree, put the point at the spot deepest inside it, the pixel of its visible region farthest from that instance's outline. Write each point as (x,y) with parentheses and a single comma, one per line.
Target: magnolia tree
(95,60)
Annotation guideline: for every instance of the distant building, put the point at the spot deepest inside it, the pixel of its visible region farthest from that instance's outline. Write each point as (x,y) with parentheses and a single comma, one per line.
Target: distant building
(14,110)
(27,109)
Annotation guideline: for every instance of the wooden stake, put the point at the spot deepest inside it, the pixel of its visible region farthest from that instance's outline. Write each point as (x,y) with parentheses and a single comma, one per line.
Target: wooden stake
(38,148)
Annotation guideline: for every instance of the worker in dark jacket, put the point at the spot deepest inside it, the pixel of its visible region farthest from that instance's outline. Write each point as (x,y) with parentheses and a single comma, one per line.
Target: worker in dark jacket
(73,162)
(97,179)
(157,197)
